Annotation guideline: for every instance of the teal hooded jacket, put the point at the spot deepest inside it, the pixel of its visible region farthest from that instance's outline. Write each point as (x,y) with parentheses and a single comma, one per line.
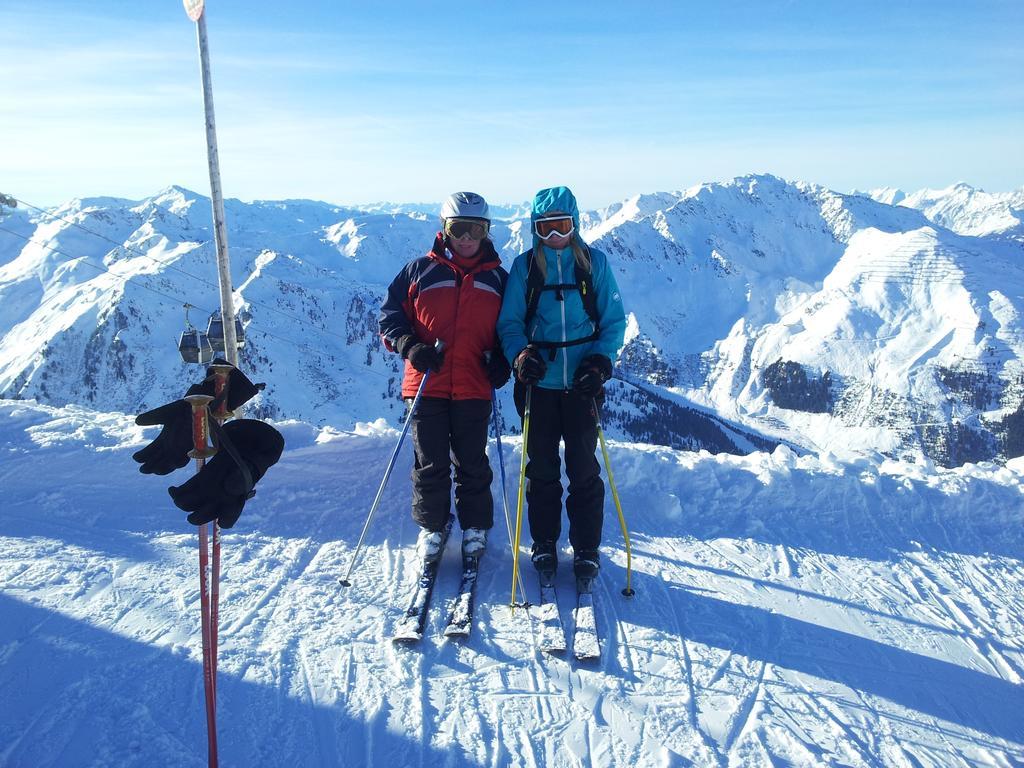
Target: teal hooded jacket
(564,320)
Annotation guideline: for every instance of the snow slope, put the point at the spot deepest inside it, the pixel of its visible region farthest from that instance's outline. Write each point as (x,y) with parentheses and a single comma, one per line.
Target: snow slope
(790,611)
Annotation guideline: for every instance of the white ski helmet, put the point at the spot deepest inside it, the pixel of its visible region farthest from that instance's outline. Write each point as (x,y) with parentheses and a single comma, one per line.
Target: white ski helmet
(467,205)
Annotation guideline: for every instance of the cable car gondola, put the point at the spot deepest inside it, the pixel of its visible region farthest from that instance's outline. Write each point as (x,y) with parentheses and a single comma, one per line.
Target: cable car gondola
(193,344)
(215,332)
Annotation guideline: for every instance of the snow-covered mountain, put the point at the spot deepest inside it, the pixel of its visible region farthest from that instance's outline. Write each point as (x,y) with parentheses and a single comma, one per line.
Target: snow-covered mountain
(759,310)
(964,209)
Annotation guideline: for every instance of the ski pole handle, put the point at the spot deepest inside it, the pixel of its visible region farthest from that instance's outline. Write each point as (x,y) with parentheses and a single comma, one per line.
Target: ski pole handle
(201,449)
(221,376)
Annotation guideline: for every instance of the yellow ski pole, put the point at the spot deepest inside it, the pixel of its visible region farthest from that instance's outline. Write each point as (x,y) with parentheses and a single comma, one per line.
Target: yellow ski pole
(628,591)
(501,466)
(519,501)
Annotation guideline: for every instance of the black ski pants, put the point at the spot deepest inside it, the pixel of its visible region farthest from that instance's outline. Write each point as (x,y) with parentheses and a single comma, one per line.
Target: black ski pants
(557,415)
(446,432)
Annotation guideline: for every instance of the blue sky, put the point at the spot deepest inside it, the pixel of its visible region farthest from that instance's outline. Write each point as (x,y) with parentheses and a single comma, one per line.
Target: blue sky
(407,101)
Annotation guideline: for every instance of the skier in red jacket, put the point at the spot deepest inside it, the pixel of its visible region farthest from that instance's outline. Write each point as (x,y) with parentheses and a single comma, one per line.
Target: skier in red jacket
(453,294)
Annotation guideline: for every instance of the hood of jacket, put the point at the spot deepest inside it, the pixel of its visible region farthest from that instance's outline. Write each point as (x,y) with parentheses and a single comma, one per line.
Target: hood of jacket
(554,199)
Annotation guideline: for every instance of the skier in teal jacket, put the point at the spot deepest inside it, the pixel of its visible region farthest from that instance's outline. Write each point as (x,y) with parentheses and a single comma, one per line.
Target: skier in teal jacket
(562,322)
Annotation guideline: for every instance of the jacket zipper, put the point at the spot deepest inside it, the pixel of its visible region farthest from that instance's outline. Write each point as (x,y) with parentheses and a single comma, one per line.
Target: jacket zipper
(565,357)
(455,325)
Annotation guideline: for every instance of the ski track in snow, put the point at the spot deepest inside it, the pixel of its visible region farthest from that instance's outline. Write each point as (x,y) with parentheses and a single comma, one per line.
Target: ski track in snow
(798,612)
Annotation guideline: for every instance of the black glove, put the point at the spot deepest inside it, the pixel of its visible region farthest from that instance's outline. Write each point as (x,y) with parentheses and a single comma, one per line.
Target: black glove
(240,389)
(404,343)
(221,488)
(530,366)
(498,369)
(591,374)
(169,451)
(423,357)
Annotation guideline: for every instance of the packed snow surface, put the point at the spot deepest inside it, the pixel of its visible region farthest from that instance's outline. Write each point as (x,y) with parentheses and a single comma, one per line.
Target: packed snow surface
(812,610)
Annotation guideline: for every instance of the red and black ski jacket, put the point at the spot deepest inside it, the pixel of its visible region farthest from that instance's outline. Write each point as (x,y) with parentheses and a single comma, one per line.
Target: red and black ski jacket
(435,298)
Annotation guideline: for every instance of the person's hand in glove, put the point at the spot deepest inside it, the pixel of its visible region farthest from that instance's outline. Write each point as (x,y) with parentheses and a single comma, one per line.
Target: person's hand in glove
(591,374)
(422,357)
(530,366)
(221,488)
(498,369)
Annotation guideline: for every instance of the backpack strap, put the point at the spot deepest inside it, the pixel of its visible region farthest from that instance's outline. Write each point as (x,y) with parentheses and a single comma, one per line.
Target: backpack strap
(585,284)
(535,286)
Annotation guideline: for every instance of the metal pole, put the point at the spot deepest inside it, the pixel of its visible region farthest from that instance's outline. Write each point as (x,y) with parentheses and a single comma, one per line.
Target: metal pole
(220,233)
(501,466)
(438,345)
(195,11)
(201,450)
(628,590)
(519,499)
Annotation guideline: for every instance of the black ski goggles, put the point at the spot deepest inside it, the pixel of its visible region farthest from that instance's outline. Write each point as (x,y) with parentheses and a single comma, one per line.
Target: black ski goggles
(552,226)
(475,229)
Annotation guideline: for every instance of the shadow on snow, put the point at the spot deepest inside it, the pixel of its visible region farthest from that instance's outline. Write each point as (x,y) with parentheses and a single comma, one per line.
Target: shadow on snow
(105,698)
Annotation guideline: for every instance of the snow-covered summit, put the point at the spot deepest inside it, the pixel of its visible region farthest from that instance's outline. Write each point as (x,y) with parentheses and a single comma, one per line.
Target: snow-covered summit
(970,211)
(963,208)
(887,195)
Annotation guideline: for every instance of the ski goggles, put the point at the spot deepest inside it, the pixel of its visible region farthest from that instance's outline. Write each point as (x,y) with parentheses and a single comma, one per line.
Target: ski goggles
(554,226)
(475,229)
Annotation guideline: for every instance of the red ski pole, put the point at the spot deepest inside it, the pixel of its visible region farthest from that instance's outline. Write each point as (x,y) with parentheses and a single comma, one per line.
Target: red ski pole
(221,378)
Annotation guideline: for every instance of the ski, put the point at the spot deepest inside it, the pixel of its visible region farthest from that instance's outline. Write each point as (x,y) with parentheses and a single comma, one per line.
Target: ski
(461,617)
(552,635)
(585,642)
(410,628)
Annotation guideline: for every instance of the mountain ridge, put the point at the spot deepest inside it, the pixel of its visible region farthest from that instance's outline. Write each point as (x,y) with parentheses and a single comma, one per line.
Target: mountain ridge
(729,285)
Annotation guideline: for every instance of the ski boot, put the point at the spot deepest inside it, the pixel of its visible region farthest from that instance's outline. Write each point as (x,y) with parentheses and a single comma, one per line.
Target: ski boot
(586,565)
(430,545)
(545,560)
(474,542)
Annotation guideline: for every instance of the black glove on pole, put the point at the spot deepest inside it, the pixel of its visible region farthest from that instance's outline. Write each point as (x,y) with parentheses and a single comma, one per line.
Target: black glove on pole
(591,374)
(220,489)
(240,390)
(497,368)
(530,366)
(169,451)
(422,357)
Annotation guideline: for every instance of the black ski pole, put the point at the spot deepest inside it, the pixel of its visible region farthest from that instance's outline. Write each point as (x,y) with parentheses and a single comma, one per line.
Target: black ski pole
(438,345)
(501,466)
